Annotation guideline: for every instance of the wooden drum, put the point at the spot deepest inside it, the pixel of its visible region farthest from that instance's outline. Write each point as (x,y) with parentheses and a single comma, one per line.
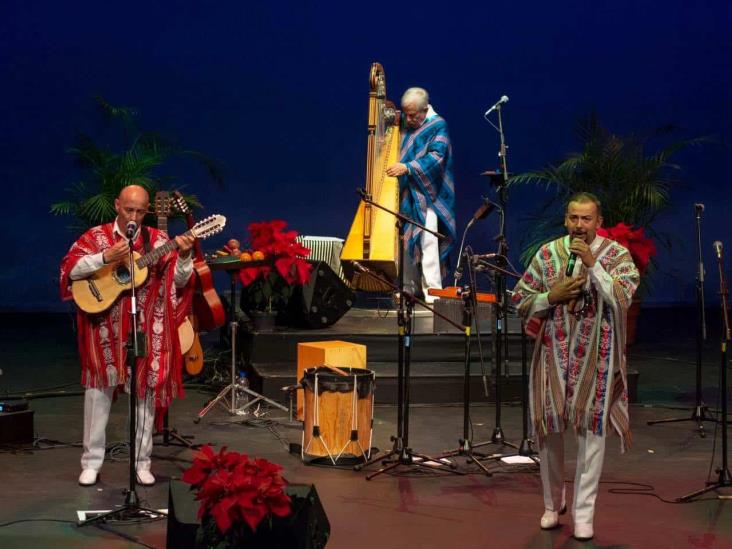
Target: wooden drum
(338,415)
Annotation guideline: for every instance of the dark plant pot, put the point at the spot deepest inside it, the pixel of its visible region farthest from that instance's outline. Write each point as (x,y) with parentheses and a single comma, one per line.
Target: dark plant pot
(307,527)
(263,321)
(632,322)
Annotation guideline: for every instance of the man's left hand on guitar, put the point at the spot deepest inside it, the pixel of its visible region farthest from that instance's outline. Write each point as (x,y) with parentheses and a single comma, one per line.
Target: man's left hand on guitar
(185,243)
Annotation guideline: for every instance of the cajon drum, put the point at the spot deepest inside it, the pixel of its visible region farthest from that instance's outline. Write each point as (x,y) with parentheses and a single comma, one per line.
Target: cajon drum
(332,353)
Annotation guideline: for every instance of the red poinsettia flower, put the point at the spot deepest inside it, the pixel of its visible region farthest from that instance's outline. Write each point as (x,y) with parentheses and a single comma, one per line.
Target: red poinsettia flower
(286,265)
(232,488)
(641,248)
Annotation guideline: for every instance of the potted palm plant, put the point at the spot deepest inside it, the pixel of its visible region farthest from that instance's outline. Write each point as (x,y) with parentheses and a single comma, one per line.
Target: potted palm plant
(633,184)
(138,159)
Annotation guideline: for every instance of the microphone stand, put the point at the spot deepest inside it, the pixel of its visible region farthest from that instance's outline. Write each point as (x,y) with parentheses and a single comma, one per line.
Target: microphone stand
(699,414)
(724,479)
(499,281)
(469,297)
(525,448)
(401,453)
(136,348)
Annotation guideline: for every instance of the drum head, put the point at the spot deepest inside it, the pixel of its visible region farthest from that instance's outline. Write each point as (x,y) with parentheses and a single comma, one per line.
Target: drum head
(332,382)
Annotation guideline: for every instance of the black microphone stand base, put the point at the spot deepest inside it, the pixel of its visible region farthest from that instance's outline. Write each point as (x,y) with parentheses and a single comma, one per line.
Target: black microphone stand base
(408,458)
(131,510)
(725,481)
(698,415)
(466,449)
(171,437)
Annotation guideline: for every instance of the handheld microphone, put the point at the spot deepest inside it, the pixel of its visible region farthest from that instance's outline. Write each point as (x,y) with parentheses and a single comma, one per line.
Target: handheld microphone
(570,264)
(497,105)
(131,229)
(718,248)
(699,207)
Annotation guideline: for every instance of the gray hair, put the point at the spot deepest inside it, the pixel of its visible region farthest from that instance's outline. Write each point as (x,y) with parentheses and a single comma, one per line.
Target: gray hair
(418,96)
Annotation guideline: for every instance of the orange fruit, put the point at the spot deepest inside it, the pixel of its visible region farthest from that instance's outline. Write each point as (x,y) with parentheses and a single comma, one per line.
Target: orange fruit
(245,256)
(258,256)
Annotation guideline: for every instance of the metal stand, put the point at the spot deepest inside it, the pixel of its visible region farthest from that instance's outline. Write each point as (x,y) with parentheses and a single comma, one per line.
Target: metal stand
(401,454)
(699,413)
(179,440)
(500,179)
(724,479)
(136,348)
(227,396)
(470,306)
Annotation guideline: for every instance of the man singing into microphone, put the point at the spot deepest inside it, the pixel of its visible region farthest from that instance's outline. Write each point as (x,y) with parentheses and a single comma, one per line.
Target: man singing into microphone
(102,337)
(427,191)
(578,374)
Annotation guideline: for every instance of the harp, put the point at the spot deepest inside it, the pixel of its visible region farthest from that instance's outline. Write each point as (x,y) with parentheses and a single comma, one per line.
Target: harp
(373,237)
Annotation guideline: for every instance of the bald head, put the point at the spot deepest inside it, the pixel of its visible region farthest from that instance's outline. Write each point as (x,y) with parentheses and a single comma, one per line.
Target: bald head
(131,205)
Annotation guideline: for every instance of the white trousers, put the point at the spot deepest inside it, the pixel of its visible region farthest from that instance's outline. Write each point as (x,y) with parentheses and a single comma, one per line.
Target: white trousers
(97,404)
(590,455)
(431,275)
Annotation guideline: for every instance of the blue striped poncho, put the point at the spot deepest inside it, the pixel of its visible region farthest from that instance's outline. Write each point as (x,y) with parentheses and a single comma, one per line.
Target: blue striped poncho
(427,153)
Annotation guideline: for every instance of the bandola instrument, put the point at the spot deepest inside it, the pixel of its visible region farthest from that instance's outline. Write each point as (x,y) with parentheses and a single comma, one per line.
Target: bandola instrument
(373,238)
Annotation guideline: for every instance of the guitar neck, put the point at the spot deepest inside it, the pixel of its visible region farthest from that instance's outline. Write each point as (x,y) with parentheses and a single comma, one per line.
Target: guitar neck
(153,256)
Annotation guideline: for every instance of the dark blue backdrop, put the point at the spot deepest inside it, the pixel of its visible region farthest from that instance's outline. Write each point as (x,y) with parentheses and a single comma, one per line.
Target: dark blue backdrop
(278,93)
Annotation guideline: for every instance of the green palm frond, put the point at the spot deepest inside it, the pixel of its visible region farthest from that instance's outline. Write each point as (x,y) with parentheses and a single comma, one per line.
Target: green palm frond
(107,172)
(633,185)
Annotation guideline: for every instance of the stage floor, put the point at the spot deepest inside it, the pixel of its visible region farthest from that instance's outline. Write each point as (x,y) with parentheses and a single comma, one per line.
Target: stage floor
(412,511)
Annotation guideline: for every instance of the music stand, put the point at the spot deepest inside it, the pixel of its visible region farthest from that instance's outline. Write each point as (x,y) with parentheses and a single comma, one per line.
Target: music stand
(230,403)
(401,454)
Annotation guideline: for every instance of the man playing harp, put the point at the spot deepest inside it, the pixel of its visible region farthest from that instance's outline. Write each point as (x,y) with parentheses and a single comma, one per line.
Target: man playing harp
(426,189)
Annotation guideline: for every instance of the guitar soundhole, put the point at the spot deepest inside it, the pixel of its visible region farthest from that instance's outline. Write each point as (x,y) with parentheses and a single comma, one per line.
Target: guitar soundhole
(122,275)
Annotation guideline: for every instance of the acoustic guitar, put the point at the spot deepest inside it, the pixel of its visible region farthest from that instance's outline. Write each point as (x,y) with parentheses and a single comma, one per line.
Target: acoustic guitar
(99,291)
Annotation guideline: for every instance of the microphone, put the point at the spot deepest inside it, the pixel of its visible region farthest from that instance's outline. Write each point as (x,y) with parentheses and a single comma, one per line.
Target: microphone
(699,207)
(482,212)
(718,248)
(131,229)
(497,105)
(570,264)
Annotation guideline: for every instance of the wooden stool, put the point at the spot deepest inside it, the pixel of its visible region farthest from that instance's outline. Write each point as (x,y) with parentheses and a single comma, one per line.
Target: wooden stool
(332,353)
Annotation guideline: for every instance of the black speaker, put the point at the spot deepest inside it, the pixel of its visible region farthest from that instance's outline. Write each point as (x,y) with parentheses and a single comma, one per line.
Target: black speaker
(183,521)
(307,527)
(322,301)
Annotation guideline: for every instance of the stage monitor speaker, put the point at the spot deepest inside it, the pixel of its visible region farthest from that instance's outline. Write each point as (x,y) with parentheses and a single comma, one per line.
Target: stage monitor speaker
(307,527)
(323,300)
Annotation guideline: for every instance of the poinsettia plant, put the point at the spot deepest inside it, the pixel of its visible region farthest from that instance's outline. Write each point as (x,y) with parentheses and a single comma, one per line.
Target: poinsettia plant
(268,285)
(641,247)
(236,493)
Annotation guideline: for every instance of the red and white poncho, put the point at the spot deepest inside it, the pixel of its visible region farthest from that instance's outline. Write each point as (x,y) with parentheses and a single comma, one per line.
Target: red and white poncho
(102,337)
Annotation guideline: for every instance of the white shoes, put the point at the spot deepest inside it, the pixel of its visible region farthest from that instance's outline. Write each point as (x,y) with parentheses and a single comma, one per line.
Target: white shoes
(550,519)
(145,478)
(88,477)
(583,532)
